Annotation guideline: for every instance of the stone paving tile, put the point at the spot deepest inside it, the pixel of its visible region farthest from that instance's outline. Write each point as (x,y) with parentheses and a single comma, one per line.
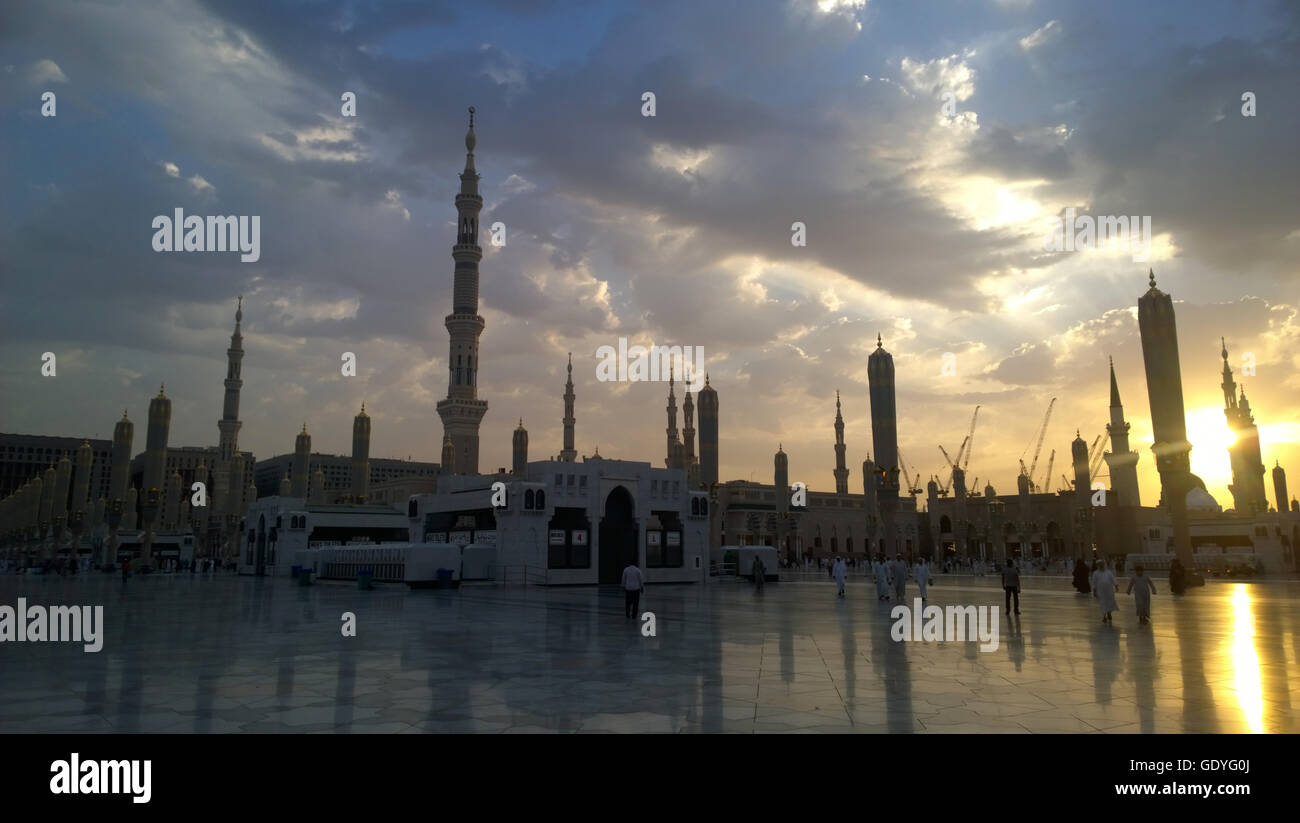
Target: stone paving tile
(226,654)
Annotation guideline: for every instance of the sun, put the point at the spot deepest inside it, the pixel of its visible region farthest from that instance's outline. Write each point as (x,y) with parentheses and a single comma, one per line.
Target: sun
(1208,432)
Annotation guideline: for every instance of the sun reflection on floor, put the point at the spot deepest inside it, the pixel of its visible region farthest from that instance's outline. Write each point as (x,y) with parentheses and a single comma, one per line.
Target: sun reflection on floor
(1245,661)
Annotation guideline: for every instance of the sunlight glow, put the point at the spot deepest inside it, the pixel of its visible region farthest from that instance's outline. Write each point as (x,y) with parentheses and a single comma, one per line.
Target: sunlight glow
(1245,661)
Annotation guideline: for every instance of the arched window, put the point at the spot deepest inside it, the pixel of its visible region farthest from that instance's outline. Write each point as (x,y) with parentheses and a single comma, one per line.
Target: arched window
(412,508)
(528,498)
(695,505)
(945,524)
(704,506)
(541,499)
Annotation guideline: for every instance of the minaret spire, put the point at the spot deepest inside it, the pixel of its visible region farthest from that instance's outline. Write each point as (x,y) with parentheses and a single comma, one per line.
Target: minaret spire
(1121,461)
(841,470)
(673,438)
(568,454)
(462,411)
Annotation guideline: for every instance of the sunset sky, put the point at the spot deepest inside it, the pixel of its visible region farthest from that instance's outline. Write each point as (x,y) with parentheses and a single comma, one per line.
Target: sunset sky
(924,227)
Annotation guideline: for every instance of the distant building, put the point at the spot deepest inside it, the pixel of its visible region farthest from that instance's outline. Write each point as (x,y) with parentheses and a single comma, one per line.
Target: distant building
(24,456)
(337,469)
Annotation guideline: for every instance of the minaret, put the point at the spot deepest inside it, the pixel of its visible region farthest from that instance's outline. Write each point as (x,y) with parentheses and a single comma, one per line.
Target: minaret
(708,435)
(120,476)
(155,454)
(286,486)
(841,471)
(1121,461)
(462,411)
(520,443)
(688,431)
(81,488)
(1159,331)
(299,474)
(1279,486)
(884,439)
(318,487)
(568,454)
(672,425)
(1082,483)
(361,455)
(1247,485)
(781,479)
(229,423)
(62,485)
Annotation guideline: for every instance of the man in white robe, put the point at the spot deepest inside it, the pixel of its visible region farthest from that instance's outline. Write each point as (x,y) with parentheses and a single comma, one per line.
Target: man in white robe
(898,571)
(921,574)
(841,571)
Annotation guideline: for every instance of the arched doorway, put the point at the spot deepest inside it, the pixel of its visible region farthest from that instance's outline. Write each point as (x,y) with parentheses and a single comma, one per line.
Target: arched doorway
(259,558)
(618,533)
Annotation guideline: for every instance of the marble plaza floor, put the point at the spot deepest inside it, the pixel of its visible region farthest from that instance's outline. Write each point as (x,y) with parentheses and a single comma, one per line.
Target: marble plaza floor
(226,654)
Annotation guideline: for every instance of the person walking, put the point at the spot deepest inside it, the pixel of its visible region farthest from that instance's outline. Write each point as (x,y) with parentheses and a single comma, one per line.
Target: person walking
(882,579)
(1103,588)
(921,574)
(633,585)
(1011,584)
(126,569)
(760,573)
(841,571)
(898,571)
(1177,577)
(1141,587)
(1081,581)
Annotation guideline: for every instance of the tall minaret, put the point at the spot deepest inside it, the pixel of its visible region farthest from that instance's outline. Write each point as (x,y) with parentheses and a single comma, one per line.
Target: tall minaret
(1159,331)
(1121,461)
(120,473)
(361,455)
(229,423)
(841,470)
(81,488)
(448,465)
(708,435)
(298,477)
(1279,486)
(672,424)
(568,454)
(520,444)
(1082,483)
(884,440)
(688,431)
(155,454)
(781,479)
(462,411)
(1247,485)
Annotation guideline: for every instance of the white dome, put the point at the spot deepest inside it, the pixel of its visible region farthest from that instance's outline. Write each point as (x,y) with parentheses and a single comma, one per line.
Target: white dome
(1199,500)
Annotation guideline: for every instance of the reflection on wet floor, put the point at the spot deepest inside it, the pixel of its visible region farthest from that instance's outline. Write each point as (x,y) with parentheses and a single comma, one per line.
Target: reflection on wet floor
(202,654)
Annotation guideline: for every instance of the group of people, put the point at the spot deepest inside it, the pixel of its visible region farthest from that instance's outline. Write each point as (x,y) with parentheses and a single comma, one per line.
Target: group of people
(1102,584)
(890,576)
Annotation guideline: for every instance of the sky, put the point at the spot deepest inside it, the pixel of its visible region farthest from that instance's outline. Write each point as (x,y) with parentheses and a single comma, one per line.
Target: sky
(925,147)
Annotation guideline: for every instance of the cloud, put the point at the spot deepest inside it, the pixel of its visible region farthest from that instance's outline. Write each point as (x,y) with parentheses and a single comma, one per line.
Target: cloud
(1041,36)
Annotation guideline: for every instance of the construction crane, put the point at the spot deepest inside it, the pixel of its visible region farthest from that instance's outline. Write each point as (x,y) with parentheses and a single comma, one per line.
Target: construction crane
(951,465)
(1066,483)
(1047,476)
(1097,454)
(970,439)
(1038,448)
(913,486)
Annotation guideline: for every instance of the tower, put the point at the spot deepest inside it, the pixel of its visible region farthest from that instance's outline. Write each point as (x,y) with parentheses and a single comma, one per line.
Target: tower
(81,489)
(781,479)
(1121,461)
(1159,331)
(361,455)
(520,443)
(448,456)
(688,430)
(229,423)
(671,431)
(1279,486)
(568,454)
(1247,468)
(155,454)
(120,473)
(1082,483)
(841,471)
(301,464)
(462,411)
(708,434)
(884,438)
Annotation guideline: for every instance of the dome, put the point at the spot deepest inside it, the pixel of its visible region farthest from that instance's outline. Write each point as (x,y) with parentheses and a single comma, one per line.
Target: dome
(1199,500)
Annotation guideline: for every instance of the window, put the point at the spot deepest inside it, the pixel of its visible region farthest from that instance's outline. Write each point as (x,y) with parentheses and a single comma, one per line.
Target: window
(654,487)
(541,500)
(704,506)
(559,481)
(582,481)
(571,481)
(695,505)
(528,499)
(412,508)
